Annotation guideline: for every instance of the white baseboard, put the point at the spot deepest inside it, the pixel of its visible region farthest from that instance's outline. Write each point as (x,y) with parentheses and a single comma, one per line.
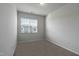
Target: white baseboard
(24,41)
(58,44)
(14,47)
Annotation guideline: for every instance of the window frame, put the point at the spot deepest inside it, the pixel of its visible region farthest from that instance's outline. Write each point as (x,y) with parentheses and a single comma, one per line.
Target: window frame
(30,25)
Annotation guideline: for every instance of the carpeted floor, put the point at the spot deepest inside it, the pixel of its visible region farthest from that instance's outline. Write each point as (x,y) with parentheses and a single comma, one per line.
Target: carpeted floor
(41,48)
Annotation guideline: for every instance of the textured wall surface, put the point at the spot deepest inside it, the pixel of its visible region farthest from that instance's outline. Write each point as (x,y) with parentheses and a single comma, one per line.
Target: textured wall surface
(62,27)
(8,29)
(27,37)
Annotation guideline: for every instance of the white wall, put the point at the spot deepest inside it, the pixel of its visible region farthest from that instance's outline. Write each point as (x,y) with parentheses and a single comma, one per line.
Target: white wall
(29,37)
(8,29)
(62,27)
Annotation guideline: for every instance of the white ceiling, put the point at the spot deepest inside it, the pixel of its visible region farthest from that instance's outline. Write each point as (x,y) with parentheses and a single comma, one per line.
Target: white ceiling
(36,8)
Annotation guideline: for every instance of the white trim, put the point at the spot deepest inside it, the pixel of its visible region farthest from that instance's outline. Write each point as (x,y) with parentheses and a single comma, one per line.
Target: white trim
(58,44)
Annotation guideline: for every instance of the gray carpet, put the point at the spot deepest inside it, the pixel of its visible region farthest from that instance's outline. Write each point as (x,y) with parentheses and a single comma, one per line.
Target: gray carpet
(41,48)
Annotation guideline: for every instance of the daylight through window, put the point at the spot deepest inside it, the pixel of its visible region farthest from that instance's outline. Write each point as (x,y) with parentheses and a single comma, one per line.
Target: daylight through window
(28,25)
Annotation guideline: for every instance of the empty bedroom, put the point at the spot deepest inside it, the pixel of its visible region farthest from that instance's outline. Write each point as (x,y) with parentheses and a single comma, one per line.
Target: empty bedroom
(39,29)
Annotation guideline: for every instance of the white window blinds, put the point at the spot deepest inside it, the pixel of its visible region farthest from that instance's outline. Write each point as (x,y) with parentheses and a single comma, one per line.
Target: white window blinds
(28,25)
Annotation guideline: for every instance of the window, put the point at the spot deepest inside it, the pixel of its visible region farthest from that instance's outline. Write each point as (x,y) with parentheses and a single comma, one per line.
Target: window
(28,25)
